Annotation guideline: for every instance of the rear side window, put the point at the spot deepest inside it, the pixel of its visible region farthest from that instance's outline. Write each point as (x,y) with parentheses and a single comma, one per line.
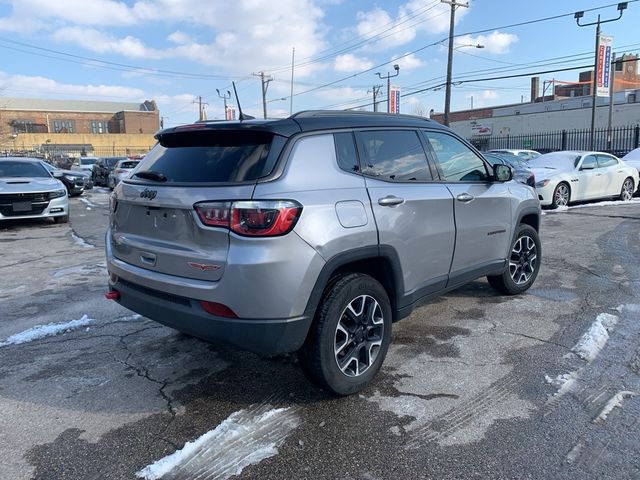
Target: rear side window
(211,156)
(346,152)
(457,162)
(394,155)
(606,161)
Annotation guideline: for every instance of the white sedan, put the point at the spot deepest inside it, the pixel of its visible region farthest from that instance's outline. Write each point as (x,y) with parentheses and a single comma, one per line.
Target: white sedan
(571,176)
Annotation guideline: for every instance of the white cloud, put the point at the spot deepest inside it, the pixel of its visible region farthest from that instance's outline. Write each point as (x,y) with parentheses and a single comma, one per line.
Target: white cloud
(482,98)
(496,43)
(412,18)
(351,63)
(244,35)
(37,86)
(408,63)
(101,42)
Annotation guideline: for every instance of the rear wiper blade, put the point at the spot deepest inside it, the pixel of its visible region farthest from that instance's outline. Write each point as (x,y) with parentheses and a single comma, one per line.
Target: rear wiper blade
(151,175)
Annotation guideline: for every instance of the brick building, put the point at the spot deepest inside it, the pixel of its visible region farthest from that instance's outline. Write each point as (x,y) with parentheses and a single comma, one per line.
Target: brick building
(70,128)
(30,115)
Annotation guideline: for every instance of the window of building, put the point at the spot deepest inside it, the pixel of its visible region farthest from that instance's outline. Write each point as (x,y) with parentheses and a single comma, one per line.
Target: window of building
(27,126)
(394,155)
(457,162)
(64,126)
(99,127)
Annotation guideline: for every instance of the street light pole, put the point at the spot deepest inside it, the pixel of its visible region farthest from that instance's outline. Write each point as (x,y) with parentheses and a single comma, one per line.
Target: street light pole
(447,95)
(622,6)
(225,97)
(388,76)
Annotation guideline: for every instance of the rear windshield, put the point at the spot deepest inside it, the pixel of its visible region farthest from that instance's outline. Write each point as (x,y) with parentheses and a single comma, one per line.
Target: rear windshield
(88,161)
(128,164)
(211,156)
(23,169)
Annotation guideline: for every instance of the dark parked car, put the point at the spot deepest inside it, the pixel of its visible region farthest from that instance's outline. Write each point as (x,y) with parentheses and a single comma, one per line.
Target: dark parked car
(75,182)
(521,172)
(102,168)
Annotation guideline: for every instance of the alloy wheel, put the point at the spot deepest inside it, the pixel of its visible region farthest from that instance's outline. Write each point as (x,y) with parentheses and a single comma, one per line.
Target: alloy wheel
(524,257)
(562,196)
(358,335)
(627,190)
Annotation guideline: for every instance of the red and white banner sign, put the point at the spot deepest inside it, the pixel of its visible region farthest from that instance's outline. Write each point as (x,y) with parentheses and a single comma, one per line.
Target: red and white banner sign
(394,97)
(603,72)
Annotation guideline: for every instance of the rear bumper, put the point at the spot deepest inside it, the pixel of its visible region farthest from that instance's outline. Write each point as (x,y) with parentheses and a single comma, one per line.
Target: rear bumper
(265,336)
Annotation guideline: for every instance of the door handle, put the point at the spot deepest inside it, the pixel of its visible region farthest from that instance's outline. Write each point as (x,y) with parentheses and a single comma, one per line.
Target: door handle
(390,201)
(598,174)
(148,258)
(465,197)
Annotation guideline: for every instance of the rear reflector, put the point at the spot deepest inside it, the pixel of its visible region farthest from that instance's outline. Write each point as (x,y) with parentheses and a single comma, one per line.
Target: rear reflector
(263,218)
(112,295)
(218,309)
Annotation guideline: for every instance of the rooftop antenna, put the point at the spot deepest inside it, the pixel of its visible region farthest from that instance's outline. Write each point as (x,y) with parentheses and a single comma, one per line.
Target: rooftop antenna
(242,116)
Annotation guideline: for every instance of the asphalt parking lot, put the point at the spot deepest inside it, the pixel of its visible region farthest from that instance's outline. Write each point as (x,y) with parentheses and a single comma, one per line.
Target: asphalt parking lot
(475,385)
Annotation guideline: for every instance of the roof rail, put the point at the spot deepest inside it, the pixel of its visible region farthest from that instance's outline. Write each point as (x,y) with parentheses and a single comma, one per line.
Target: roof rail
(333,113)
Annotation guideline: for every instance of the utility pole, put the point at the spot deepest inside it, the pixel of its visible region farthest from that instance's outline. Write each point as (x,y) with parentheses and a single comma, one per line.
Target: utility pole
(201,105)
(264,80)
(225,97)
(375,90)
(611,92)
(622,6)
(447,96)
(388,76)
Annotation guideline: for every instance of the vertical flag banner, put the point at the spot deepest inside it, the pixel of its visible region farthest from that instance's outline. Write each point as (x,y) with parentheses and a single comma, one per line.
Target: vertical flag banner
(603,73)
(394,104)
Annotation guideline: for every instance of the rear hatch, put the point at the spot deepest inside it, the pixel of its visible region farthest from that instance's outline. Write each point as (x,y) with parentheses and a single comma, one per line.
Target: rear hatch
(155,225)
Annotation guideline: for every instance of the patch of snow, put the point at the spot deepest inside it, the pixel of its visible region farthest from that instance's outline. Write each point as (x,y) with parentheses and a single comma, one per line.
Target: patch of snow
(80,269)
(615,401)
(594,339)
(42,331)
(81,242)
(245,438)
(88,203)
(605,203)
(575,452)
(565,383)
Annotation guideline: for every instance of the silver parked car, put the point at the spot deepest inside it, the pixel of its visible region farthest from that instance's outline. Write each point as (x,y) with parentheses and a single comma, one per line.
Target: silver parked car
(314,233)
(28,190)
(121,171)
(85,164)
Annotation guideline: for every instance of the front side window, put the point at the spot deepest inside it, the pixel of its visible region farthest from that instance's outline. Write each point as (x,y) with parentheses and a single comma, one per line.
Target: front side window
(457,162)
(589,162)
(606,161)
(394,155)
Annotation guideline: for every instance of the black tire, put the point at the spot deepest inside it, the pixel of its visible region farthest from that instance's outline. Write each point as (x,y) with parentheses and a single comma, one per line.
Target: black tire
(318,357)
(627,190)
(523,268)
(62,219)
(556,201)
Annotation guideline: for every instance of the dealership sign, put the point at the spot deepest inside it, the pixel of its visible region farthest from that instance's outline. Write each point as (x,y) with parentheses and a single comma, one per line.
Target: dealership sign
(603,73)
(479,128)
(394,100)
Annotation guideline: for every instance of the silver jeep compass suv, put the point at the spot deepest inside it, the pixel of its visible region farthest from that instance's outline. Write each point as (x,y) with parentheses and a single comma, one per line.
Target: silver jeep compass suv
(314,233)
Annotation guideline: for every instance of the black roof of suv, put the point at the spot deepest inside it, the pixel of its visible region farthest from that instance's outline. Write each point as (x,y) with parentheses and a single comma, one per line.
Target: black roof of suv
(310,120)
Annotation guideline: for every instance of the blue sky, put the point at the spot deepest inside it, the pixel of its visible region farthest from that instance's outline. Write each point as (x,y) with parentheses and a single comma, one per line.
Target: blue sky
(175,50)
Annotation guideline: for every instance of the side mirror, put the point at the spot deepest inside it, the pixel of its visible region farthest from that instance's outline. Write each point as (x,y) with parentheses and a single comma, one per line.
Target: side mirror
(502,173)
(587,167)
(57,174)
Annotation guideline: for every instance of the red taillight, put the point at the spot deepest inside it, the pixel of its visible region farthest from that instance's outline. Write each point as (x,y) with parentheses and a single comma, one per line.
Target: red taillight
(218,309)
(112,295)
(214,214)
(263,218)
